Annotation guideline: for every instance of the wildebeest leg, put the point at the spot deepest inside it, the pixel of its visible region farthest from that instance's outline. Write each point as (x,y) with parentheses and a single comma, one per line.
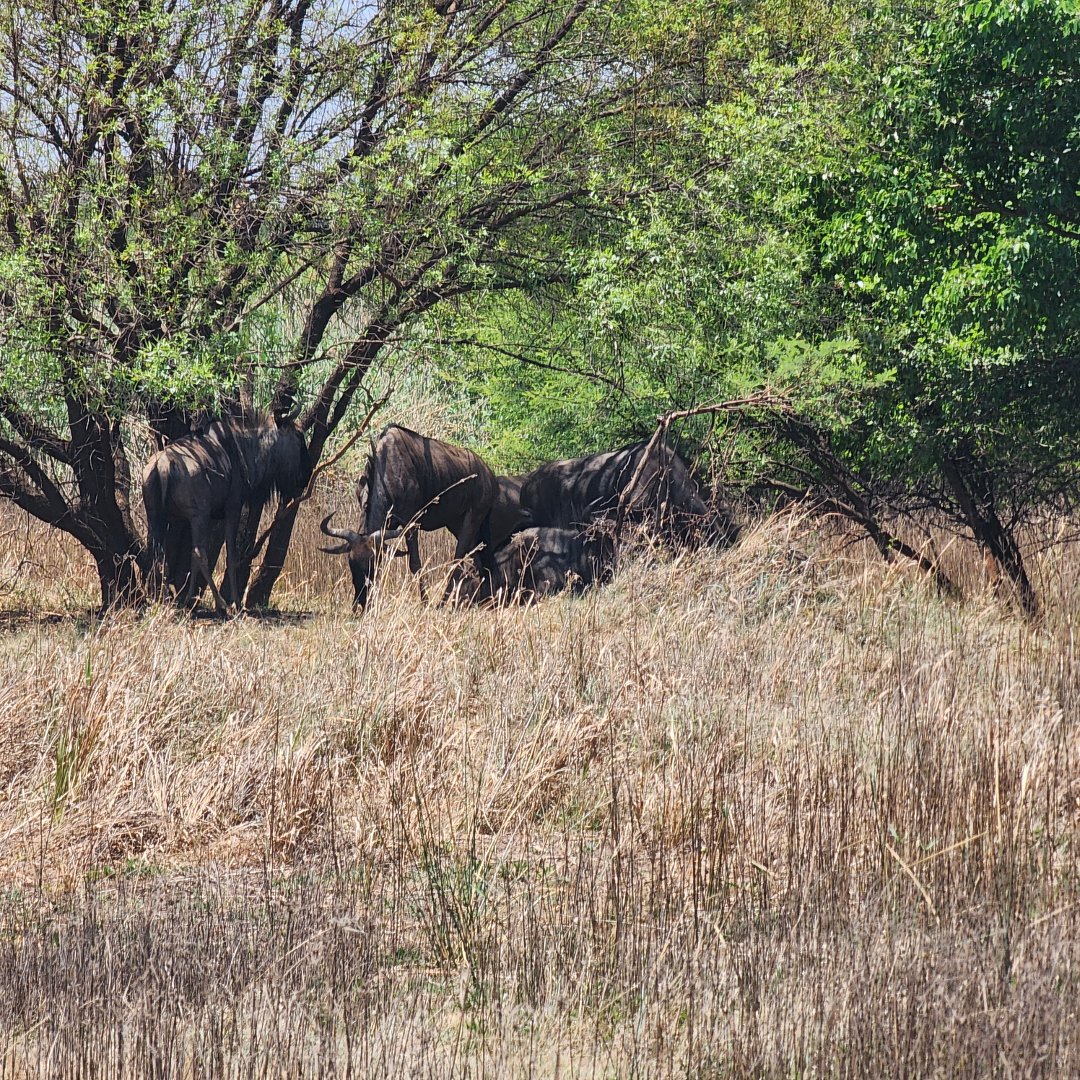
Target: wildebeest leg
(160,562)
(214,545)
(468,541)
(187,577)
(232,527)
(412,543)
(177,557)
(200,567)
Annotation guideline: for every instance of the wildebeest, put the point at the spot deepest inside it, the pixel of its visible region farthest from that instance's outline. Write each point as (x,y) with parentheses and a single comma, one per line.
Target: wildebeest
(538,561)
(576,492)
(506,517)
(209,477)
(412,483)
(506,513)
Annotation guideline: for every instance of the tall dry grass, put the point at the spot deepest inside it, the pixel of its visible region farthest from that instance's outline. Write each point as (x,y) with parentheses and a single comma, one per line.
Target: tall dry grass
(781,811)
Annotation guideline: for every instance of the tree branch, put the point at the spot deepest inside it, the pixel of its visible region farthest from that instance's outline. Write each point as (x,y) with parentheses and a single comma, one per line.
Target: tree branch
(32,433)
(50,500)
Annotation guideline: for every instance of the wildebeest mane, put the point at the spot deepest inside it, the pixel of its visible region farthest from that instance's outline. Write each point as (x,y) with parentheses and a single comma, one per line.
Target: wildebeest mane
(271,457)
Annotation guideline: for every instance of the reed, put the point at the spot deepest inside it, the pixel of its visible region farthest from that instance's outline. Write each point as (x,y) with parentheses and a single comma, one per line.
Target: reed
(777,811)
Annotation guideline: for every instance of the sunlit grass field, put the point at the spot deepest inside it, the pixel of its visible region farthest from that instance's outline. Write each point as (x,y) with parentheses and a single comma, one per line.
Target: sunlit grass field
(781,810)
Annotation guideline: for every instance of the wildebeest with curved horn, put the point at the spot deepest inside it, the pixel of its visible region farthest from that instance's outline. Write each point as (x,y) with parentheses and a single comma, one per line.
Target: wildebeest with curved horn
(579,491)
(412,483)
(209,477)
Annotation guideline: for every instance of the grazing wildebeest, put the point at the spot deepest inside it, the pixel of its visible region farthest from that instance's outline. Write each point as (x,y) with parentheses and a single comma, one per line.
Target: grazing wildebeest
(211,477)
(574,493)
(538,561)
(413,483)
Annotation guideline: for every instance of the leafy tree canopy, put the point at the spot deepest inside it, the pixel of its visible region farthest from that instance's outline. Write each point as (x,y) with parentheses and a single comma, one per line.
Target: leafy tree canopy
(960,249)
(705,287)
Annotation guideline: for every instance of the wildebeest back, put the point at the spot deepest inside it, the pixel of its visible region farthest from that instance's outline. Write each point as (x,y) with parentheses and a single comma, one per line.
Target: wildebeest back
(575,492)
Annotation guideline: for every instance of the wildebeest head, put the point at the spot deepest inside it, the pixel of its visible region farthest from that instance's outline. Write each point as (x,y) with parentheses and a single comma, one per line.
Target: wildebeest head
(364,552)
(668,498)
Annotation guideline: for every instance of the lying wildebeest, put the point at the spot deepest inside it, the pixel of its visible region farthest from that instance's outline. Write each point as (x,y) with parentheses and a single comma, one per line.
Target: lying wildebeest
(538,561)
(413,483)
(213,476)
(574,493)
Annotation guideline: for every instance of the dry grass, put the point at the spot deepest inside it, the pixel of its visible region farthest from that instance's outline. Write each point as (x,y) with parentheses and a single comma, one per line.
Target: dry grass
(780,811)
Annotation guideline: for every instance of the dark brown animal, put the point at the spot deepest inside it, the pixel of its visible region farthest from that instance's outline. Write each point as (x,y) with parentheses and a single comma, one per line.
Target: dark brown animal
(196,489)
(579,491)
(413,483)
(539,561)
(506,513)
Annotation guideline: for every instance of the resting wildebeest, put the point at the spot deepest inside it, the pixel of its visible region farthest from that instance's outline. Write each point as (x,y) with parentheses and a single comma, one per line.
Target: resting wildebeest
(574,493)
(413,483)
(538,561)
(213,476)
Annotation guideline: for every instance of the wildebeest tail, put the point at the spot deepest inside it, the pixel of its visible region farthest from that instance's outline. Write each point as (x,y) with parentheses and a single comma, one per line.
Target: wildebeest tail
(155,494)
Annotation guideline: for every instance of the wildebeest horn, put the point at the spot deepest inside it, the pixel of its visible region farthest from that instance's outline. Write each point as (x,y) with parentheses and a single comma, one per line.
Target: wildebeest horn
(381,536)
(351,538)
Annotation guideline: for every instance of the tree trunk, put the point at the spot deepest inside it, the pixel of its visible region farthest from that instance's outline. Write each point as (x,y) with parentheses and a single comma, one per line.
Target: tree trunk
(118,575)
(246,535)
(277,547)
(321,421)
(973,488)
(99,462)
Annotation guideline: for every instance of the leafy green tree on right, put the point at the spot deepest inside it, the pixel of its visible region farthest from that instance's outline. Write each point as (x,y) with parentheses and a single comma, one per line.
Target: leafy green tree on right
(956,240)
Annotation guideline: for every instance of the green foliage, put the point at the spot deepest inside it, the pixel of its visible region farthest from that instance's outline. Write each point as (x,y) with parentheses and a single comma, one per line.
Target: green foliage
(960,244)
(707,278)
(119,264)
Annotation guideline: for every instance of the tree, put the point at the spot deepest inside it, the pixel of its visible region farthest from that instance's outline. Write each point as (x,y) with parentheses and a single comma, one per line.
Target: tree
(959,246)
(703,282)
(171,170)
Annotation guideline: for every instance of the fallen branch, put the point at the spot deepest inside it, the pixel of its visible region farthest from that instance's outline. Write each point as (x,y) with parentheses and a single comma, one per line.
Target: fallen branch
(886,542)
(852,505)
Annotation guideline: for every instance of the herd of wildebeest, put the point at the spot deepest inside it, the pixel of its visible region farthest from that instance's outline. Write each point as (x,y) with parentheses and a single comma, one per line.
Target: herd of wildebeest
(518,537)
